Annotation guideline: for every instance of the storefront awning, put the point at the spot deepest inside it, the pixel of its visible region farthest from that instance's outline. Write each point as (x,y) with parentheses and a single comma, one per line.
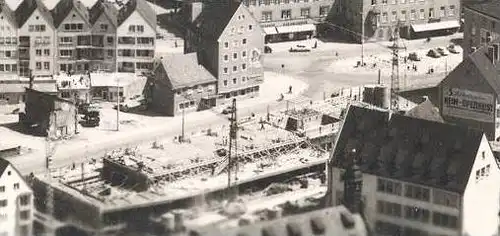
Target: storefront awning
(436,26)
(296,28)
(270,30)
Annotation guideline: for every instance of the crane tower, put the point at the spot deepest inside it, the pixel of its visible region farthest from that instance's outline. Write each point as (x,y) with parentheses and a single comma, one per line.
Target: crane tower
(232,154)
(395,85)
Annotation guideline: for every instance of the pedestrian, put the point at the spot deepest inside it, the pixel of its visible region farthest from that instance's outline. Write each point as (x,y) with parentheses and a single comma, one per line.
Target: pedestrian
(175,43)
(336,54)
(262,126)
(315,44)
(282,66)
(290,89)
(408,67)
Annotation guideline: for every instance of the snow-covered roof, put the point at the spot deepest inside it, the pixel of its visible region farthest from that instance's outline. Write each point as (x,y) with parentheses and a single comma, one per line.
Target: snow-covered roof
(113,79)
(65,81)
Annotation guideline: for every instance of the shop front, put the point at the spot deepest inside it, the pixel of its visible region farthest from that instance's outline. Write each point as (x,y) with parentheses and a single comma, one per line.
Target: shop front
(289,32)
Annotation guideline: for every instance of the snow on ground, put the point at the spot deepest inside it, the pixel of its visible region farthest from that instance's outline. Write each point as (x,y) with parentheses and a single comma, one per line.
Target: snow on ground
(383,62)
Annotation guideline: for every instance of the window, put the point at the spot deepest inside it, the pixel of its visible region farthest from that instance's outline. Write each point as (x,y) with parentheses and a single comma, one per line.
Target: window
(225,82)
(25,200)
(65,40)
(452,10)
(244,41)
(131,28)
(3,217)
(16,186)
(394,16)
(267,16)
(444,198)
(250,27)
(304,12)
(286,14)
(431,13)
(234,80)
(323,10)
(140,28)
(104,27)
(385,228)
(24,230)
(384,17)
(388,186)
(393,2)
(389,208)
(65,53)
(374,2)
(46,52)
(46,65)
(384,1)
(243,66)
(24,215)
(225,70)
(226,44)
(235,68)
(487,170)
(417,192)
(422,14)
(442,12)
(36,28)
(3,203)
(403,16)
(417,214)
(478,175)
(413,15)
(226,57)
(2,189)
(110,40)
(409,231)
(444,220)
(38,52)
(235,55)
(38,65)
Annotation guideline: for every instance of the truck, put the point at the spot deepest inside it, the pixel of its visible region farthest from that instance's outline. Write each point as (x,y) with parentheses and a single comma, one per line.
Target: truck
(91,118)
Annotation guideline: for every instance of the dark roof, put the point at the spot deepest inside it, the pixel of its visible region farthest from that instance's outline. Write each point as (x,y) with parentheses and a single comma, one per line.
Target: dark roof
(64,7)
(8,13)
(486,67)
(26,9)
(326,221)
(140,6)
(215,17)
(49,96)
(3,165)
(107,8)
(427,111)
(409,149)
(490,8)
(184,70)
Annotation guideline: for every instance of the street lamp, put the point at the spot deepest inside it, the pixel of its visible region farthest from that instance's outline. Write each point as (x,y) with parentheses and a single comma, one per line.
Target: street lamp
(117,103)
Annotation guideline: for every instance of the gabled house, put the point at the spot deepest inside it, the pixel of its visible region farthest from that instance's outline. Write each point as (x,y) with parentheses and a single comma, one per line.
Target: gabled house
(8,41)
(16,202)
(136,34)
(72,23)
(229,42)
(37,40)
(104,20)
(415,176)
(181,84)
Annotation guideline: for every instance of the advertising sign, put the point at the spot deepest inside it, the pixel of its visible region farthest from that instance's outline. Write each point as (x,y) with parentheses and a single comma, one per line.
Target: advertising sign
(466,104)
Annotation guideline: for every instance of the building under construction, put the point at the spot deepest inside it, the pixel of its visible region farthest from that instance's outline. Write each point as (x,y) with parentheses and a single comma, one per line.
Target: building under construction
(131,187)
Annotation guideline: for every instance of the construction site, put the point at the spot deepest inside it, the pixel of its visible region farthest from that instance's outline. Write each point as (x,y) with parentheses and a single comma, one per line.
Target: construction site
(109,194)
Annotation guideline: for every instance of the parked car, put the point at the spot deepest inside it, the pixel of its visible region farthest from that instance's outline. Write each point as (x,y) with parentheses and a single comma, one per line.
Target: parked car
(300,48)
(433,53)
(268,49)
(453,49)
(414,57)
(227,110)
(442,51)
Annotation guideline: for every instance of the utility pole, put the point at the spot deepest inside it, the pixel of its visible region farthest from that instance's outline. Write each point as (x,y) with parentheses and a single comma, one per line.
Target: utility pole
(233,155)
(117,105)
(182,128)
(395,86)
(362,38)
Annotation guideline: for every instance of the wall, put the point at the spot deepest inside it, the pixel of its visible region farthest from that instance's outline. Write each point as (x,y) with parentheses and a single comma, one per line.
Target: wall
(109,61)
(62,120)
(196,92)
(7,29)
(294,6)
(481,199)
(162,95)
(37,19)
(123,31)
(461,78)
(476,25)
(12,222)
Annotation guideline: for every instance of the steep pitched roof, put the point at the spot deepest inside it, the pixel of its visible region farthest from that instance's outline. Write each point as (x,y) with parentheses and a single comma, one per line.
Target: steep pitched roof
(336,221)
(490,8)
(215,17)
(64,7)
(26,9)
(408,149)
(8,13)
(427,111)
(489,70)
(142,7)
(183,70)
(3,165)
(107,8)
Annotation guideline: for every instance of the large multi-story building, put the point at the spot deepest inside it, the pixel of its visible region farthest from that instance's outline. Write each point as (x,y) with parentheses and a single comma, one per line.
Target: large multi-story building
(416,176)
(229,42)
(8,41)
(378,19)
(71,20)
(290,19)
(104,20)
(481,24)
(16,202)
(136,34)
(36,39)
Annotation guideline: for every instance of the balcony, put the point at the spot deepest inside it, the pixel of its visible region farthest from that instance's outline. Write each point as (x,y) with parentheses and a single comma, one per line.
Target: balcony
(145,53)
(126,40)
(24,55)
(98,41)
(83,41)
(24,41)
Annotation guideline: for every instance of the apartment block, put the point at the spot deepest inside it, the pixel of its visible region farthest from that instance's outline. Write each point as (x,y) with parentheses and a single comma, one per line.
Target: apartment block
(481,24)
(284,20)
(229,42)
(377,20)
(415,176)
(16,202)
(36,39)
(103,18)
(71,20)
(136,34)
(8,41)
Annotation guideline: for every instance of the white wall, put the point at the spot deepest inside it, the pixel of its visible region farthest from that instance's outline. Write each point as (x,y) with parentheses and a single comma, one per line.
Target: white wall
(7,30)
(8,179)
(481,198)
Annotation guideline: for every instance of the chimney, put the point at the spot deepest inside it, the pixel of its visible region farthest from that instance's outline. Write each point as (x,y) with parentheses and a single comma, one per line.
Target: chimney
(196,8)
(491,53)
(353,183)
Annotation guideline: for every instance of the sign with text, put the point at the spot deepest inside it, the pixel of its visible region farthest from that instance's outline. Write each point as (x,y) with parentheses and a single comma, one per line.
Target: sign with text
(468,104)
